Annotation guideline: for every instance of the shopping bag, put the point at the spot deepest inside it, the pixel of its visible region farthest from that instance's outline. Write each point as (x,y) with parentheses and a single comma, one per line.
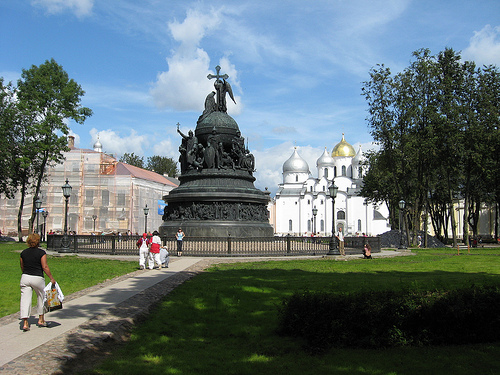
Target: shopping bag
(52,301)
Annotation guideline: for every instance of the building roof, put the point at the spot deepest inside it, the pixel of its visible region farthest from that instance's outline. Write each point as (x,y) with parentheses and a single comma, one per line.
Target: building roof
(123,169)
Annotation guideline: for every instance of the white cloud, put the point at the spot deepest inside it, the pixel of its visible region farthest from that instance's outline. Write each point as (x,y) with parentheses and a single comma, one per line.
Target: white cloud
(484,47)
(114,143)
(79,7)
(185,86)
(166,148)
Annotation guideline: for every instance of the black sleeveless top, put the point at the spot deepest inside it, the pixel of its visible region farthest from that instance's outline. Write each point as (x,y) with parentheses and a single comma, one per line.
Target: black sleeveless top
(32,261)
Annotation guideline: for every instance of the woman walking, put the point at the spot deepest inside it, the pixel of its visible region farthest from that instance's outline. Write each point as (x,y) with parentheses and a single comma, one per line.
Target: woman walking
(33,264)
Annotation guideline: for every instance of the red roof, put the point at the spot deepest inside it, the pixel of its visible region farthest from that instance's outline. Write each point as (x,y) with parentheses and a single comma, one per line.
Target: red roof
(130,170)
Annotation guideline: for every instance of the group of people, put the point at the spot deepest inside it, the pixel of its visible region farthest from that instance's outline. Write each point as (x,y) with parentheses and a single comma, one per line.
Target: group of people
(151,250)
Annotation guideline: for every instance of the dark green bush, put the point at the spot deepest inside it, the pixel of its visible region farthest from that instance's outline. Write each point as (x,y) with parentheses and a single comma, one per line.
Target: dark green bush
(392,318)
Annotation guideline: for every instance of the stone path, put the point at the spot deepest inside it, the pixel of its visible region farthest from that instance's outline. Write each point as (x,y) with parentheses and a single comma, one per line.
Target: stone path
(94,319)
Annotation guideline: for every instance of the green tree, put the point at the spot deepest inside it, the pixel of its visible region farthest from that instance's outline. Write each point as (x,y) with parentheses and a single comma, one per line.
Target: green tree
(8,118)
(47,99)
(132,159)
(437,126)
(162,165)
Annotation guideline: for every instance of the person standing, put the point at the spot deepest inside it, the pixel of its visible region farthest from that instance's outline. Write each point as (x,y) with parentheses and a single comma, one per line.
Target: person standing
(180,237)
(154,251)
(33,263)
(340,237)
(143,245)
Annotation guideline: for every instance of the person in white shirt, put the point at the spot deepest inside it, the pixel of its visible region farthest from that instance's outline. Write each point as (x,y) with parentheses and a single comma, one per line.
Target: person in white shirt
(340,237)
(143,245)
(154,251)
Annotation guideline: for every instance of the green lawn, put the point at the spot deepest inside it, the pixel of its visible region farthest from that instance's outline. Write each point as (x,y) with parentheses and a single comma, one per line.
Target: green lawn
(223,321)
(71,272)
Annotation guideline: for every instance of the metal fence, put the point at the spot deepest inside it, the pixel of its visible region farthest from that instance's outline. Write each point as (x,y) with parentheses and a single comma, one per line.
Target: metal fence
(214,247)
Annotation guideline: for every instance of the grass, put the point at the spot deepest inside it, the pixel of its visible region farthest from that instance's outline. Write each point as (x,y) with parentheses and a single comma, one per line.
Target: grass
(71,272)
(224,320)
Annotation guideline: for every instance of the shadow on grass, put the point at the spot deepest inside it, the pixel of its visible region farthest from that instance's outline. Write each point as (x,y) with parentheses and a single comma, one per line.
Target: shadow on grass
(224,322)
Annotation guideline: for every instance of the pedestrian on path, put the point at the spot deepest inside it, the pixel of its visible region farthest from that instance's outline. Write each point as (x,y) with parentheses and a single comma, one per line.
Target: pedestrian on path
(154,251)
(180,237)
(143,245)
(340,237)
(33,264)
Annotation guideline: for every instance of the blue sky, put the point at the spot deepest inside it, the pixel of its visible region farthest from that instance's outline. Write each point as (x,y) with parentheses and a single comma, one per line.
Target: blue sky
(296,67)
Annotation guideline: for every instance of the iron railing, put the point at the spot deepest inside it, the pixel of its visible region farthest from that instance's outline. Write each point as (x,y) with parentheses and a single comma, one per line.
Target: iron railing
(214,247)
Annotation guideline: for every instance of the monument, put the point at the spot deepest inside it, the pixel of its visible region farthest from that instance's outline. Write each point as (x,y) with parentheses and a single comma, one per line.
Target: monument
(216,196)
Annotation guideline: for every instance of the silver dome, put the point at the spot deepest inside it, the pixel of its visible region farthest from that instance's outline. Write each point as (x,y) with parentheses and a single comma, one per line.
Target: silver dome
(295,164)
(325,160)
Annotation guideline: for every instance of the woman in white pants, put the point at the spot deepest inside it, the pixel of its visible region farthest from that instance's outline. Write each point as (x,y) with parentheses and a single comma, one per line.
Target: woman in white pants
(143,245)
(33,264)
(154,251)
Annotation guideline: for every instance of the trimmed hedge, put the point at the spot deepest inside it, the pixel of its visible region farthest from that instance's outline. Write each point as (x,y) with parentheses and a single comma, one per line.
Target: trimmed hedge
(392,318)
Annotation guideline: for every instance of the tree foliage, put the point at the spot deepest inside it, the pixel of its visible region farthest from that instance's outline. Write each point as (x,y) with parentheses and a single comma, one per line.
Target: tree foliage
(436,123)
(132,159)
(162,165)
(37,120)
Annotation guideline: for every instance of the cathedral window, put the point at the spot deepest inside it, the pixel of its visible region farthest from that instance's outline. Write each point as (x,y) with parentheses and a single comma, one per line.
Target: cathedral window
(359,225)
(335,171)
(344,171)
(341,215)
(290,225)
(309,226)
(360,171)
(326,172)
(296,178)
(322,225)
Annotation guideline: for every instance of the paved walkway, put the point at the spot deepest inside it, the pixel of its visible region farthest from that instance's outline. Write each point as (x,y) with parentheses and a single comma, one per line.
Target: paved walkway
(97,316)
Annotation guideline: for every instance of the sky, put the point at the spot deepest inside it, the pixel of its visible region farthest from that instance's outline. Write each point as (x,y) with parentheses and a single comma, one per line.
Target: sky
(296,67)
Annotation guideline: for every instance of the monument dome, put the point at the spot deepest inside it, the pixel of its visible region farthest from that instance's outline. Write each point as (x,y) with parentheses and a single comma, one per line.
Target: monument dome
(343,149)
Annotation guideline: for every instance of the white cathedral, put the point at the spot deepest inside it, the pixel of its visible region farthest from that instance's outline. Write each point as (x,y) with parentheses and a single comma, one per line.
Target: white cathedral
(303,204)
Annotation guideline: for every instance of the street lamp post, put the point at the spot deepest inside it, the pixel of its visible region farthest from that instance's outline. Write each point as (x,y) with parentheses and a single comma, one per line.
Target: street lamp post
(146,211)
(315,212)
(44,214)
(94,217)
(402,204)
(38,205)
(66,188)
(333,189)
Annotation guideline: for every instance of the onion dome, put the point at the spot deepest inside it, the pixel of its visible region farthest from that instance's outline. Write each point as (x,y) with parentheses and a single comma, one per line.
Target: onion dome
(359,156)
(325,160)
(97,145)
(343,149)
(295,164)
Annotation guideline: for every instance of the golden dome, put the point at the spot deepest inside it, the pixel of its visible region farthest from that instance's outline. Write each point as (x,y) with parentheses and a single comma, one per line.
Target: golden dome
(343,149)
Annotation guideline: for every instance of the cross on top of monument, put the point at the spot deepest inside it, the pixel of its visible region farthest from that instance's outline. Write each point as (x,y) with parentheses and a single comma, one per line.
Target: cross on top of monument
(218,76)
(222,87)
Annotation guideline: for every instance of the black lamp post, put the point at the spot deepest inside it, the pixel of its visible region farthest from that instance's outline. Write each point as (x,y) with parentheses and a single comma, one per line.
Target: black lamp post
(332,189)
(315,212)
(402,204)
(44,214)
(94,217)
(38,205)
(66,188)
(146,211)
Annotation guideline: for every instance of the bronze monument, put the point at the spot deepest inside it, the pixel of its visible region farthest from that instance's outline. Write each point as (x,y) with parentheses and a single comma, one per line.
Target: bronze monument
(216,195)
